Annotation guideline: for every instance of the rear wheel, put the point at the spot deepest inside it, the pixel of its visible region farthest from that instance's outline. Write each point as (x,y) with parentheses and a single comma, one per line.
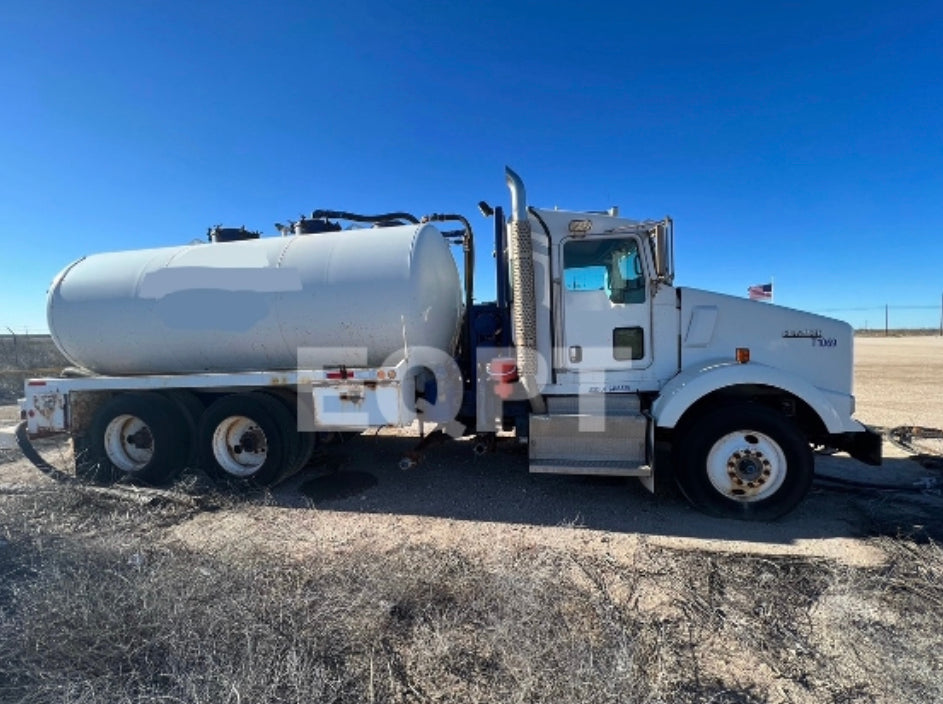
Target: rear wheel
(744,461)
(305,441)
(190,409)
(247,439)
(138,435)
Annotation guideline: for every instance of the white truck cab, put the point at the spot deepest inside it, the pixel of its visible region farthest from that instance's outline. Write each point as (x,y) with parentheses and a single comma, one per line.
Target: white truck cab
(737,389)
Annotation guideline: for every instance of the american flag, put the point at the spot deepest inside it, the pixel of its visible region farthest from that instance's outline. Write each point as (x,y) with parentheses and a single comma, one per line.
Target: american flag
(761,292)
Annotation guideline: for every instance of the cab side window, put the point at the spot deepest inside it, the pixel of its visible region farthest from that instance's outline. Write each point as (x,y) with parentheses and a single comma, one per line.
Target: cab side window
(610,265)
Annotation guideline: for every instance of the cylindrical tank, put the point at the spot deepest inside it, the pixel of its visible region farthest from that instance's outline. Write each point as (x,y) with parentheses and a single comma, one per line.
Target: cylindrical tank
(349,298)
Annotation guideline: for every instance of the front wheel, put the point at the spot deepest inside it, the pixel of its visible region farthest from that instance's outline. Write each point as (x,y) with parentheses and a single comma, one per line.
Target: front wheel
(744,461)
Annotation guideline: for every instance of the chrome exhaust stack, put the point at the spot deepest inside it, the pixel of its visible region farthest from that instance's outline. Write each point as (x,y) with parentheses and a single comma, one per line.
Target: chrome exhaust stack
(524,305)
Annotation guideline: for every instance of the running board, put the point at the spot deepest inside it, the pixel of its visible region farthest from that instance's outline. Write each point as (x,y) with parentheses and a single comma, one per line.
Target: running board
(606,468)
(570,443)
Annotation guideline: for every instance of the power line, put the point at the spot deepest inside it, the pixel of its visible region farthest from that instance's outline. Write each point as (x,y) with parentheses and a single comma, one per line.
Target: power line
(869,308)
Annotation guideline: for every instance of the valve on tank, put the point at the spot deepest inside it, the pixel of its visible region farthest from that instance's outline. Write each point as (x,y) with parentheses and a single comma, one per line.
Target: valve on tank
(218,233)
(304,226)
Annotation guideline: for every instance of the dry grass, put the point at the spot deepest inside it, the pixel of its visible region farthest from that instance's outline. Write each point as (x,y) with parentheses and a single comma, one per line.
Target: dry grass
(95,606)
(22,356)
(101,601)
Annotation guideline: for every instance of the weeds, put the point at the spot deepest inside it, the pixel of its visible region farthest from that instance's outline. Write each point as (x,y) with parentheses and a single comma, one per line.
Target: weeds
(23,356)
(96,607)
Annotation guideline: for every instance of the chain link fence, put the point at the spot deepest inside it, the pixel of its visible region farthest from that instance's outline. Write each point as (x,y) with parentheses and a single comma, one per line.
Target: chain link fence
(24,355)
(926,319)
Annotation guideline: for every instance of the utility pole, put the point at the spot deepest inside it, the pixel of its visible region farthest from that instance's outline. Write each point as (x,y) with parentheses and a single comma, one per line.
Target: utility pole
(885,321)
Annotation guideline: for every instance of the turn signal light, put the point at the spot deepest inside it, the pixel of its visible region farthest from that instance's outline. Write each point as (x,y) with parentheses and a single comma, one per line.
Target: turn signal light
(743,355)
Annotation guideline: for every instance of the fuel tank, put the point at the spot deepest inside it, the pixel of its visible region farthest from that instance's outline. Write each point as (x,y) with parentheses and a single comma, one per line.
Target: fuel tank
(354,298)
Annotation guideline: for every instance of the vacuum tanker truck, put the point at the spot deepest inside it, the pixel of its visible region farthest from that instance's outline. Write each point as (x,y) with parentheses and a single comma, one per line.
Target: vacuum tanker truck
(236,355)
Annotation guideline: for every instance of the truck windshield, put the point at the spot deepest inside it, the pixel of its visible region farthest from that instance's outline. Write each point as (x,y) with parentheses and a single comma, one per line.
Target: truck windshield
(609,265)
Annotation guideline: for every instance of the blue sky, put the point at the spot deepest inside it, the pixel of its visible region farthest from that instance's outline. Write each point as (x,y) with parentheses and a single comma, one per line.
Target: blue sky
(801,141)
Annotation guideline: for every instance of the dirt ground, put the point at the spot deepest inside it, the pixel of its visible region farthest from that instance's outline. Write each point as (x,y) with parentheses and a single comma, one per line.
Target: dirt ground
(487,508)
(354,492)
(456,500)
(899,380)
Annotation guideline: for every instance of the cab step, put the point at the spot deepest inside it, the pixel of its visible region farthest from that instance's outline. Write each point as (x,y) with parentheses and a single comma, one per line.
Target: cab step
(606,468)
(614,445)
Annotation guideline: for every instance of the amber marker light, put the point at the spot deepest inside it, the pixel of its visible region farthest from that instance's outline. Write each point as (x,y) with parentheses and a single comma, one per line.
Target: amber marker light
(743,355)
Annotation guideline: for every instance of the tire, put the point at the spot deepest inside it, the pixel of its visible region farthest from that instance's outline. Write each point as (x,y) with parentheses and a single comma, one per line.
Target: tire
(190,409)
(91,468)
(246,439)
(141,436)
(305,440)
(745,461)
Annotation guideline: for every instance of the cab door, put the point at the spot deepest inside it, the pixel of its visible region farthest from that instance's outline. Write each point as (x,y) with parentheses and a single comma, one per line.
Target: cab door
(606,311)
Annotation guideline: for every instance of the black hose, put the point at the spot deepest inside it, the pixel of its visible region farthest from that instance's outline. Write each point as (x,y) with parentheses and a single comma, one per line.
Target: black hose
(124,492)
(502,279)
(856,484)
(356,217)
(468,245)
(26,447)
(553,331)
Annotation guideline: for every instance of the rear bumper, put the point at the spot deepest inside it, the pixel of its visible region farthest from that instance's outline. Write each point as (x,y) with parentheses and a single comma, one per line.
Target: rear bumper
(864,445)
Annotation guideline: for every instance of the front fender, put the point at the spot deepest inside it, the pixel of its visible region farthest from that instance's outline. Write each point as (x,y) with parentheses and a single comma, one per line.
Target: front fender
(693,384)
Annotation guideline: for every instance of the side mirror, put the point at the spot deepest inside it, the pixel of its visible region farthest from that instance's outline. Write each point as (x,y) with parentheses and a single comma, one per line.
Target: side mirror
(664,250)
